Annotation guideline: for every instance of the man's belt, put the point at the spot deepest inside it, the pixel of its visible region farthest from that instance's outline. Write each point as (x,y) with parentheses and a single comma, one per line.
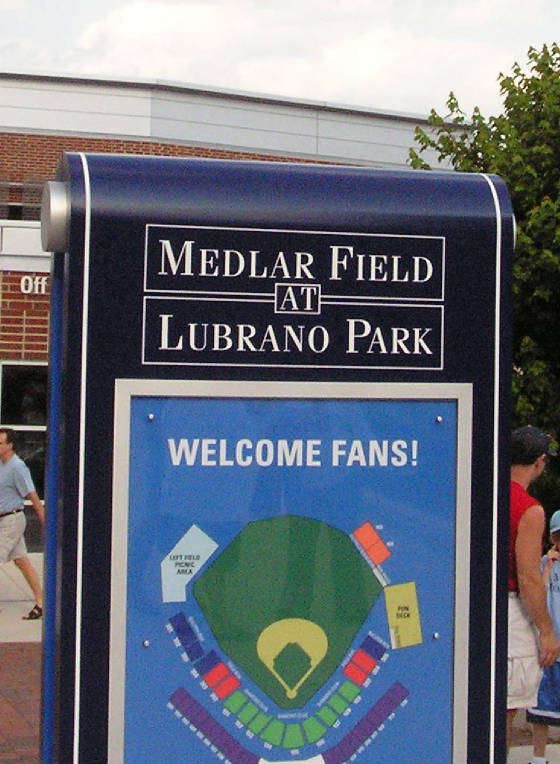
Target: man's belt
(11,512)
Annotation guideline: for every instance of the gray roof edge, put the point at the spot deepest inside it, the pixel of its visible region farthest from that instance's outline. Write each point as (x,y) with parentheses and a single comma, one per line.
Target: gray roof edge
(171,86)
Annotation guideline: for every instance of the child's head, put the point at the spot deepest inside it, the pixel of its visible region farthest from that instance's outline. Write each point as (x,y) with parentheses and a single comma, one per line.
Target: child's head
(555,528)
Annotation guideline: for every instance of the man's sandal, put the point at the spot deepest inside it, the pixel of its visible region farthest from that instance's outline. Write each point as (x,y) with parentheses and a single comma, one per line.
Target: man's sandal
(35,613)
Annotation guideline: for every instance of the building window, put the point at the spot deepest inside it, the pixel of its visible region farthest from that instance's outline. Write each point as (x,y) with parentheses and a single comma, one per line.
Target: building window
(23,406)
(23,399)
(20,200)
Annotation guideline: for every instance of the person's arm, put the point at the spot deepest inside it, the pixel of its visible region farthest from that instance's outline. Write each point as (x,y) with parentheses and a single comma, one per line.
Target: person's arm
(531,587)
(37,506)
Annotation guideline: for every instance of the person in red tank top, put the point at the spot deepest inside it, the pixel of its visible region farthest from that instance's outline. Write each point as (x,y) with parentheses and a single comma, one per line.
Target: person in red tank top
(532,642)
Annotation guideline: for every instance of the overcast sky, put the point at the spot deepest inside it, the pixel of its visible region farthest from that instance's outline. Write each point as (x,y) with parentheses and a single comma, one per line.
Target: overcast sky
(395,55)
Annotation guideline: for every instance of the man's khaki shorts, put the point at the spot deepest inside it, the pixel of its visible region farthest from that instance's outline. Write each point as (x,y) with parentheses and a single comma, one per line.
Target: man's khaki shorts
(524,672)
(12,542)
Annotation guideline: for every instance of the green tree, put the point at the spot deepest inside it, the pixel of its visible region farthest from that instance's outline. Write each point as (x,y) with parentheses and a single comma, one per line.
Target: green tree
(522,145)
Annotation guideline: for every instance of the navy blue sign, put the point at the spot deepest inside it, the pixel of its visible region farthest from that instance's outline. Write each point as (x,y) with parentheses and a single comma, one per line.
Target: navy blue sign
(277,389)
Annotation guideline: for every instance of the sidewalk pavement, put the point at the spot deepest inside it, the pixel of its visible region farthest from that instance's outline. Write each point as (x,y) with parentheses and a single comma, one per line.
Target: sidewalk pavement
(521,751)
(521,754)
(15,602)
(20,668)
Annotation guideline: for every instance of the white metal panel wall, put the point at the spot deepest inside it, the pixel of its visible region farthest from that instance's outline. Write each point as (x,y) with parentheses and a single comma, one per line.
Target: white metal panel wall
(300,130)
(71,107)
(235,123)
(20,247)
(186,115)
(382,141)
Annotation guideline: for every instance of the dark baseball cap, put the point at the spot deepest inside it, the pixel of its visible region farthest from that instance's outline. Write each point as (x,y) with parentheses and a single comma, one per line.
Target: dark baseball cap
(528,443)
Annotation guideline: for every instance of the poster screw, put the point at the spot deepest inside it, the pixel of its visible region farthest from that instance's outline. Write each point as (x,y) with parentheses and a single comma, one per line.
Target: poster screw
(150,417)
(435,635)
(146,643)
(439,419)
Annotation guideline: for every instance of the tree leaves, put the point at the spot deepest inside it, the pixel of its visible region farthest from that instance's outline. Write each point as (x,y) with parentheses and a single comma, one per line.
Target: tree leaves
(522,145)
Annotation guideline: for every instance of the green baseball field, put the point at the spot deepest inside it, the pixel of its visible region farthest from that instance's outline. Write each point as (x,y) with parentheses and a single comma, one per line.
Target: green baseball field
(285,601)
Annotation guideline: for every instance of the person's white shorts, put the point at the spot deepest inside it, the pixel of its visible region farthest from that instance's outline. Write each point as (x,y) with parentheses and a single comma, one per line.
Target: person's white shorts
(524,672)
(12,542)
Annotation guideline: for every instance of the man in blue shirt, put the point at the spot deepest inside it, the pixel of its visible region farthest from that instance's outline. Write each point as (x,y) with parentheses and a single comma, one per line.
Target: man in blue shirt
(16,485)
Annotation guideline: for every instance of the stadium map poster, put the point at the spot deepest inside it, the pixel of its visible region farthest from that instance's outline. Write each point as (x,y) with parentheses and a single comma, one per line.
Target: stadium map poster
(287,599)
(277,416)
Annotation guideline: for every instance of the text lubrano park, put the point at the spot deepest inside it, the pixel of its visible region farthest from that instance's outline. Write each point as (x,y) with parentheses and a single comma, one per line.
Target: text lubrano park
(305,298)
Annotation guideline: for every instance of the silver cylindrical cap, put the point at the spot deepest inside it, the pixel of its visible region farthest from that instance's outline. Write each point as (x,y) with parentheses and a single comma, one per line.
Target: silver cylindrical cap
(55,217)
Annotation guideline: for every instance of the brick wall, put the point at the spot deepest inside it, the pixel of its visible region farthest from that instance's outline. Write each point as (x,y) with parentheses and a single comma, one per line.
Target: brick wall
(24,318)
(28,157)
